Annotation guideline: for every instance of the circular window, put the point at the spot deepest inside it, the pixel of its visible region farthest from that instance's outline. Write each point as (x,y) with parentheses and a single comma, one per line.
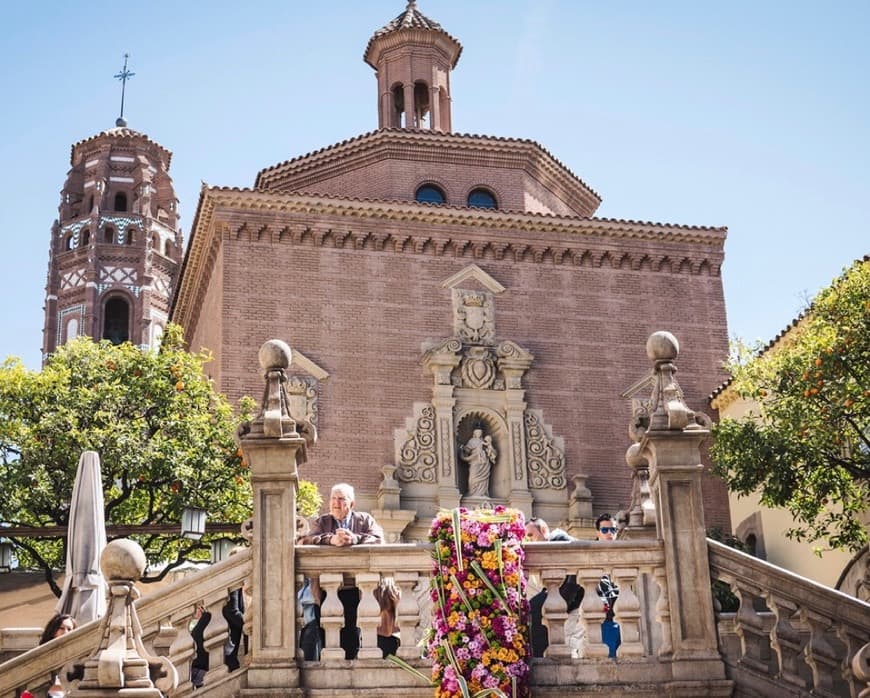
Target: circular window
(481,198)
(429,194)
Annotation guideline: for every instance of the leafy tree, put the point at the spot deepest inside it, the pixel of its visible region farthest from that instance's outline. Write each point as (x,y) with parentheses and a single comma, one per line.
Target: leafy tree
(164,436)
(808,447)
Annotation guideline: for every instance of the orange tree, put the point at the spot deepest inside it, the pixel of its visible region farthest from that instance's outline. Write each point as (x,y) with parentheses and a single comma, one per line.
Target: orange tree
(164,435)
(808,447)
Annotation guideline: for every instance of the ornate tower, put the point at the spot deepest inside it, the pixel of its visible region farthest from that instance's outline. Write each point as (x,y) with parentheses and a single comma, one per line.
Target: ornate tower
(116,246)
(413,57)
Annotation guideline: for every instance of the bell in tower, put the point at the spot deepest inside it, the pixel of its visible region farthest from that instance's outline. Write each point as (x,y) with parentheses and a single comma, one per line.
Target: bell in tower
(116,246)
(413,57)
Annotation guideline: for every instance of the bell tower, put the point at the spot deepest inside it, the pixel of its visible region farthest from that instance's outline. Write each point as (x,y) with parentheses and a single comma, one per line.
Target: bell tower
(116,246)
(413,57)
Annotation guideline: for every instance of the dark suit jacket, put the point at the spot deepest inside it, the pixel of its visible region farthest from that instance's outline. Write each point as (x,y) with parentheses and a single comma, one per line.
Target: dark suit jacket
(363,525)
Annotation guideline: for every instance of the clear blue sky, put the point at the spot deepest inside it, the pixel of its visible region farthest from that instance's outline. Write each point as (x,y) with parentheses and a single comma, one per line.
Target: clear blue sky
(753,115)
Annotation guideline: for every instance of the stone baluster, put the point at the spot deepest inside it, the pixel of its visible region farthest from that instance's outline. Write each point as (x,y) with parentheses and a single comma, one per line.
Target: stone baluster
(753,628)
(627,611)
(408,614)
(860,669)
(855,674)
(593,612)
(786,640)
(554,614)
(165,637)
(821,655)
(331,615)
(368,614)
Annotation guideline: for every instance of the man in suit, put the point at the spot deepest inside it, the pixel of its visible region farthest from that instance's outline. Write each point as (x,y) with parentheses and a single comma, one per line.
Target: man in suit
(343,526)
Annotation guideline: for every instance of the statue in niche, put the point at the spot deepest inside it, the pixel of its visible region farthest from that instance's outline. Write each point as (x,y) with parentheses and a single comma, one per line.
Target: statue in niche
(480,455)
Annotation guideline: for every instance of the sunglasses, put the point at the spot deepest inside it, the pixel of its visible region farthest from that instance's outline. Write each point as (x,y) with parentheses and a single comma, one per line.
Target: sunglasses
(608,529)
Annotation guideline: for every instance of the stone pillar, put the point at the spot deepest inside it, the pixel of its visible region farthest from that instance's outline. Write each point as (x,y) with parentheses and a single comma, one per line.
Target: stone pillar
(410,106)
(273,448)
(670,443)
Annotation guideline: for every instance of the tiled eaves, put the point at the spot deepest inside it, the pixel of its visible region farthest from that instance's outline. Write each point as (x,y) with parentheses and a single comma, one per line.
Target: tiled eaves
(271,176)
(440,214)
(120,133)
(413,39)
(205,238)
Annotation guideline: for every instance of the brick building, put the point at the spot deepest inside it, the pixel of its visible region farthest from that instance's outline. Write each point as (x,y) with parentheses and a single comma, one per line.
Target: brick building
(433,284)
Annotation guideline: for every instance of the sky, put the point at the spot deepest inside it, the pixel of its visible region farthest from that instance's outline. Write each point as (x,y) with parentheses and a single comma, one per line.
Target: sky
(750,115)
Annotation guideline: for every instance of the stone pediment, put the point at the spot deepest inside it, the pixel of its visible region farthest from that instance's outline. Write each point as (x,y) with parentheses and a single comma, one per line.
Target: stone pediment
(473,273)
(523,175)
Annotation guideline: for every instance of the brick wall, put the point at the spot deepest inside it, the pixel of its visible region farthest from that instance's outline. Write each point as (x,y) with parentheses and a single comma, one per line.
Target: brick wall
(362,315)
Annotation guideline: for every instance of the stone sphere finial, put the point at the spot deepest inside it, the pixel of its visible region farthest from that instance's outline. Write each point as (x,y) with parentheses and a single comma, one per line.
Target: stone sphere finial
(662,346)
(634,456)
(275,354)
(123,559)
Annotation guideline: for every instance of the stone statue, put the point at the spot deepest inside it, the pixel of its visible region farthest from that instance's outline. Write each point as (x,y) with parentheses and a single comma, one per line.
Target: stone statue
(480,455)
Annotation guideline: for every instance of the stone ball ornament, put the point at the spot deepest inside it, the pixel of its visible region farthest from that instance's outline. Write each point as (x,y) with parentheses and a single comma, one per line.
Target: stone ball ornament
(275,353)
(662,346)
(123,559)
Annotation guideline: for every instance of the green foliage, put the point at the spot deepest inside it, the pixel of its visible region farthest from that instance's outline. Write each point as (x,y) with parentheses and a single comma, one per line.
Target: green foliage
(724,599)
(164,436)
(808,447)
(308,498)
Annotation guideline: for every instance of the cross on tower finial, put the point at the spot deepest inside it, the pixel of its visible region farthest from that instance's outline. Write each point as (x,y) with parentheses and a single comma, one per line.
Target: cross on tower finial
(123,76)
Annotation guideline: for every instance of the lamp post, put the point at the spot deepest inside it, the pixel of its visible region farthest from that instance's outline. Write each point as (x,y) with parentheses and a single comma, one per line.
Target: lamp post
(5,555)
(220,549)
(192,523)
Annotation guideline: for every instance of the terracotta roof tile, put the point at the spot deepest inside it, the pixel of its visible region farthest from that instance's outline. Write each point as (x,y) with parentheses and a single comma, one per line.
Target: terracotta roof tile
(411,18)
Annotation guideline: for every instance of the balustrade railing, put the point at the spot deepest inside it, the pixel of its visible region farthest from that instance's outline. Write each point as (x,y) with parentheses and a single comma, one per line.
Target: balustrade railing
(165,617)
(790,636)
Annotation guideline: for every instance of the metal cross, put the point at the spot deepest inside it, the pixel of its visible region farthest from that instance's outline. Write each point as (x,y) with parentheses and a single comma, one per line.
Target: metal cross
(123,76)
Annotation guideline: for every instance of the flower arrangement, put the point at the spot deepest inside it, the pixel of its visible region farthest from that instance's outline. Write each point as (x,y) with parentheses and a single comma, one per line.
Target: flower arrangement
(479,637)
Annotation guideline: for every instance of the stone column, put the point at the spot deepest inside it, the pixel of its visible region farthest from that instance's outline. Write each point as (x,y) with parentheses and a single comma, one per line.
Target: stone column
(513,362)
(670,442)
(410,106)
(273,448)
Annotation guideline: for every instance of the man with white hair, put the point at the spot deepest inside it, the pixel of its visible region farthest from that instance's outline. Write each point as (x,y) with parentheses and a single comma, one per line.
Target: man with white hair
(342,525)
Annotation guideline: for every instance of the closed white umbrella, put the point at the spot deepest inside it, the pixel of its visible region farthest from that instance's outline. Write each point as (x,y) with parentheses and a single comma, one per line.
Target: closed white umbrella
(84,588)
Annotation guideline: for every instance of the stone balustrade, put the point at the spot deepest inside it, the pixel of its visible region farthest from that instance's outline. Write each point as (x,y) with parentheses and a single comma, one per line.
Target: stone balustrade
(790,636)
(165,617)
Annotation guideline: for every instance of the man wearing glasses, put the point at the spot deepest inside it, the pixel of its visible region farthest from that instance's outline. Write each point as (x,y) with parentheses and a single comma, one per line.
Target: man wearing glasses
(606,530)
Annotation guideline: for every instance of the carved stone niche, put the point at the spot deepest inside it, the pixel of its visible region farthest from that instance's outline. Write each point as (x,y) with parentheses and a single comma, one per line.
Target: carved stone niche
(476,443)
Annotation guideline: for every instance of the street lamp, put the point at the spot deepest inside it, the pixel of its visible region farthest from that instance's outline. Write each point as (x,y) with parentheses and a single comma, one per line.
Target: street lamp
(220,549)
(5,556)
(192,523)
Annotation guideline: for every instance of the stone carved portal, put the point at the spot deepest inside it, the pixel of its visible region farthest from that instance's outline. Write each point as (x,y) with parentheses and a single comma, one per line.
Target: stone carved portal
(477,417)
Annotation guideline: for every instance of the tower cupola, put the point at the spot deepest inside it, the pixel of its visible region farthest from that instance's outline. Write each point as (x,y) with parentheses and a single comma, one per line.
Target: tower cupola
(413,57)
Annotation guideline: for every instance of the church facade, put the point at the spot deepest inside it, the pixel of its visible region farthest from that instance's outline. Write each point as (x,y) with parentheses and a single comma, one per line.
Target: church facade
(465,329)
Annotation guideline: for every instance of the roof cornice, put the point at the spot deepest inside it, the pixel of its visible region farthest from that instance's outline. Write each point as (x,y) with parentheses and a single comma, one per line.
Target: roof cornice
(423,223)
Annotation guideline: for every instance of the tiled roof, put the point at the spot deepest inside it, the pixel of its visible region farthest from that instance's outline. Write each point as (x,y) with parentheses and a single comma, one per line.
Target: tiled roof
(448,139)
(411,18)
(120,132)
